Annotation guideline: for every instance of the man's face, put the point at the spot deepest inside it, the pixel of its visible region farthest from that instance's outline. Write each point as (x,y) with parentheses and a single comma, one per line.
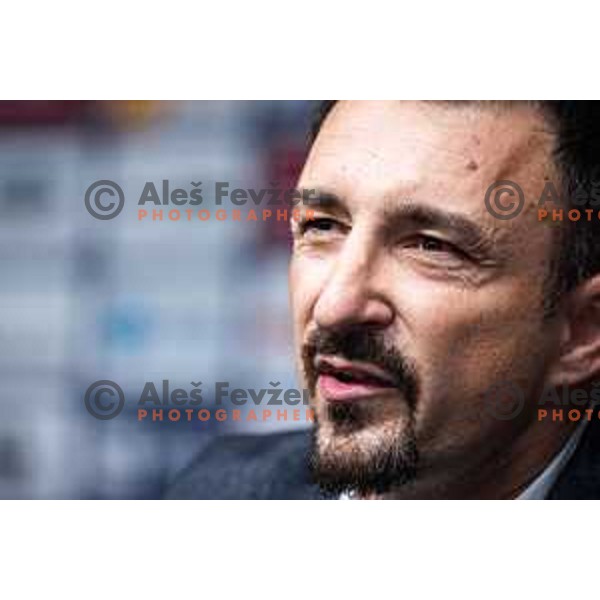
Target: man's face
(409,299)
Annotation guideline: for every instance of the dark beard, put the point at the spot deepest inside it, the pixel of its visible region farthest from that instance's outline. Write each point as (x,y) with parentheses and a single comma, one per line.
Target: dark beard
(340,460)
(392,465)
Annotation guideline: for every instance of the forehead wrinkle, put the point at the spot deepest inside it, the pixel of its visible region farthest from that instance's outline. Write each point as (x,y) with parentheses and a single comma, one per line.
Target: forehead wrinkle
(520,153)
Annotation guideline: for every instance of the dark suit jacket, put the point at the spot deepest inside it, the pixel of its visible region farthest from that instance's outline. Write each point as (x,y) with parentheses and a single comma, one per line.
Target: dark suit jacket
(275,467)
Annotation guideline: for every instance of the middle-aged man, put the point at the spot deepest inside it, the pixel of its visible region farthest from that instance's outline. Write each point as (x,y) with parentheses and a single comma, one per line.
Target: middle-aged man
(412,299)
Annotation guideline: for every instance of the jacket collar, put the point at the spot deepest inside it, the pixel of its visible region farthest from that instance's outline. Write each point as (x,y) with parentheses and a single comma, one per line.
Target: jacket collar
(580,479)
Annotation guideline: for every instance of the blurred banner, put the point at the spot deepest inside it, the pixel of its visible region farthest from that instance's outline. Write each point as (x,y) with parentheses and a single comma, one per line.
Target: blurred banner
(131,300)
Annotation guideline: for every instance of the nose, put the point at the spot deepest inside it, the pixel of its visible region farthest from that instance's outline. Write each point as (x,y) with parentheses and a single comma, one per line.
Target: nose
(354,294)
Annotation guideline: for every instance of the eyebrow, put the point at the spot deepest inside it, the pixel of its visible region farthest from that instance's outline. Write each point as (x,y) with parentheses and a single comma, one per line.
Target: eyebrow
(324,199)
(400,216)
(473,234)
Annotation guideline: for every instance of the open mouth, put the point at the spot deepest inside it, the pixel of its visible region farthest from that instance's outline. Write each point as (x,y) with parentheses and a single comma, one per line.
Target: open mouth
(343,381)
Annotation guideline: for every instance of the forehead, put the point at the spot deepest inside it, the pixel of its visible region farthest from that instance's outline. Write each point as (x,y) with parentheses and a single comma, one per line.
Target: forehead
(366,150)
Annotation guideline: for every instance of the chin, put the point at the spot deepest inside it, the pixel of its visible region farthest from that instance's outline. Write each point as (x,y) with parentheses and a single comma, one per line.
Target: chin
(367,458)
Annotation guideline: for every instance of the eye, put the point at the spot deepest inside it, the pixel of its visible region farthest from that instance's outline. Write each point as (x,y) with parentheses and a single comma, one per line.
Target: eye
(430,244)
(433,245)
(318,226)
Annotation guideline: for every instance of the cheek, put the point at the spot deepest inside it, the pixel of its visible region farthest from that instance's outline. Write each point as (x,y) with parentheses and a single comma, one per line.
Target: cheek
(430,316)
(307,277)
(464,341)
(446,320)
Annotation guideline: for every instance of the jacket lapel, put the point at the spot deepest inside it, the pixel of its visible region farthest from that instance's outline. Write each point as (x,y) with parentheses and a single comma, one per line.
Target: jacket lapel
(580,479)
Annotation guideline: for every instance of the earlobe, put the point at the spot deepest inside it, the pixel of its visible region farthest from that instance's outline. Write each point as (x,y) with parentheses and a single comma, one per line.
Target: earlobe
(579,356)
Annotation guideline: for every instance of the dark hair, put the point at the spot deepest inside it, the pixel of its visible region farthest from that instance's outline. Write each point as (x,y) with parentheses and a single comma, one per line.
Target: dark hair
(577,155)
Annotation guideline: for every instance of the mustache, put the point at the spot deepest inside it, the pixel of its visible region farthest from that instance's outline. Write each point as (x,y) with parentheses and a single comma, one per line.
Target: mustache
(365,345)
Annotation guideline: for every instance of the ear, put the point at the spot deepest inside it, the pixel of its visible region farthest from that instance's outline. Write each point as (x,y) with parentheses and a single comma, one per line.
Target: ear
(579,354)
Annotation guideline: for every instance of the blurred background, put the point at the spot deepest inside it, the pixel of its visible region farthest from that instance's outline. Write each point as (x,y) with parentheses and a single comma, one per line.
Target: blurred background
(85,300)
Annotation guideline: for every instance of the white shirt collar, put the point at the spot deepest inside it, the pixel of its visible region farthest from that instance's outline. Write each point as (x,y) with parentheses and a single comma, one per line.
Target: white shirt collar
(540,487)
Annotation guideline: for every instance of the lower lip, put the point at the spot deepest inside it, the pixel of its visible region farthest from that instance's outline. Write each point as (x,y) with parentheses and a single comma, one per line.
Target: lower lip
(334,390)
